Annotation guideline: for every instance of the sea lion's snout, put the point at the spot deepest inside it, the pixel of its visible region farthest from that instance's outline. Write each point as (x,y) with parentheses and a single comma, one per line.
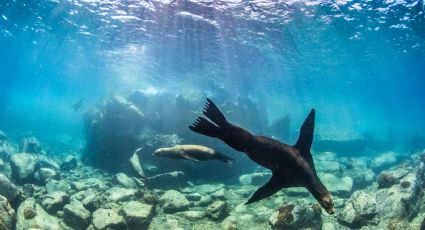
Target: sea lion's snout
(327,203)
(156,152)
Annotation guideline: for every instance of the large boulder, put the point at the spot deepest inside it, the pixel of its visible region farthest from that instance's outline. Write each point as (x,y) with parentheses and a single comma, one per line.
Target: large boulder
(107,219)
(337,140)
(117,194)
(359,210)
(7,214)
(124,181)
(30,145)
(55,201)
(76,216)
(9,190)
(297,216)
(23,166)
(173,201)
(137,215)
(339,186)
(31,215)
(217,210)
(169,180)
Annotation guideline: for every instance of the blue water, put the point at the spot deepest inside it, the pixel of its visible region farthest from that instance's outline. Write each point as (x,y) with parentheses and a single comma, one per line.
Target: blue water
(360,64)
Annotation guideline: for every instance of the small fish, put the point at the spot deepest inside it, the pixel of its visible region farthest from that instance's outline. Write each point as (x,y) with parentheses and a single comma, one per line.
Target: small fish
(193,152)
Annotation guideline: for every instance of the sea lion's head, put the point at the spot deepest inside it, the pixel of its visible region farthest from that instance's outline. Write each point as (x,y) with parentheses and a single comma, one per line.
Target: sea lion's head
(159,152)
(327,203)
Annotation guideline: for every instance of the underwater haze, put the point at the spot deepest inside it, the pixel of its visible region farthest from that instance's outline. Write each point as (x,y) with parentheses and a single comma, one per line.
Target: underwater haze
(142,71)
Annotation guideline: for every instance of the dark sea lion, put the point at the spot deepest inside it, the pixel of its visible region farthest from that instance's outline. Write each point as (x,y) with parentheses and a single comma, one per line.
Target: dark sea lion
(193,152)
(292,166)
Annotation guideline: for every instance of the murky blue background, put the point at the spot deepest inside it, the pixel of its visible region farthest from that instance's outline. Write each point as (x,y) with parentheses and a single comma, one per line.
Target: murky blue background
(359,63)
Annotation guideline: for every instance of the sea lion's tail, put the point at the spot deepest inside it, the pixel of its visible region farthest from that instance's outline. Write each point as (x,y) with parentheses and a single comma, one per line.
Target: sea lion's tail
(206,127)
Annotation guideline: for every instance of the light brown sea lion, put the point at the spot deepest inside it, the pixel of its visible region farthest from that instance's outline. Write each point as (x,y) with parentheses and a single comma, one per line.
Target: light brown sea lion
(192,152)
(292,166)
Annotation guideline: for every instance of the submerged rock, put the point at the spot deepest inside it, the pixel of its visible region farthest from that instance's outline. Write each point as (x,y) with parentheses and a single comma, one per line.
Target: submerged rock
(46,174)
(54,185)
(107,219)
(5,168)
(299,216)
(217,210)
(386,180)
(360,210)
(55,201)
(173,201)
(9,190)
(30,145)
(30,215)
(7,214)
(69,163)
(254,178)
(76,216)
(137,215)
(338,186)
(170,180)
(384,161)
(120,194)
(23,166)
(124,181)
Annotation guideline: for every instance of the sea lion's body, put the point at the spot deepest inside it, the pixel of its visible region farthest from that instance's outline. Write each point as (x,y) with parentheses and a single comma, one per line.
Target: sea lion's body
(292,166)
(192,152)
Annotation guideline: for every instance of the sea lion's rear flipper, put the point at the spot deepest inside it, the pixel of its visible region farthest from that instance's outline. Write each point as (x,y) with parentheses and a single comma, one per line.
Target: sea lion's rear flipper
(306,137)
(205,127)
(271,187)
(214,114)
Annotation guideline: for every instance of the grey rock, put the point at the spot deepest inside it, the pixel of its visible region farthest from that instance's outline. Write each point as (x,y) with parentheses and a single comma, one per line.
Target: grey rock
(384,161)
(107,219)
(194,196)
(124,181)
(9,190)
(91,202)
(339,186)
(254,178)
(137,215)
(23,166)
(360,210)
(76,216)
(386,180)
(54,185)
(204,201)
(69,163)
(46,174)
(173,201)
(170,180)
(193,215)
(55,201)
(297,216)
(120,194)
(5,168)
(30,145)
(398,201)
(217,210)
(7,214)
(219,194)
(46,162)
(30,215)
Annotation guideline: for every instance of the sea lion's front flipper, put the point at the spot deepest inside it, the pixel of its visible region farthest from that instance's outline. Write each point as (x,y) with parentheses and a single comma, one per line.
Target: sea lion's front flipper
(271,187)
(189,157)
(306,137)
